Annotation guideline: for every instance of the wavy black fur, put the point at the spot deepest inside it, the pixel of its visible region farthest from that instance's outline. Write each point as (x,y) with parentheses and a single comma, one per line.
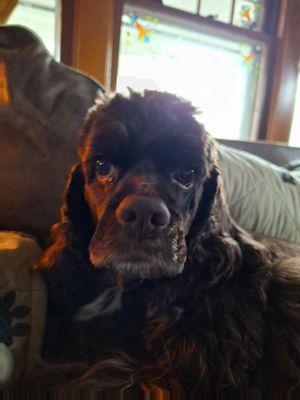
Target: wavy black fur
(230,319)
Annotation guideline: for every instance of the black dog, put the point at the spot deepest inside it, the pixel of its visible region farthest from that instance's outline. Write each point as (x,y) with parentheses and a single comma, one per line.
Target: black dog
(150,281)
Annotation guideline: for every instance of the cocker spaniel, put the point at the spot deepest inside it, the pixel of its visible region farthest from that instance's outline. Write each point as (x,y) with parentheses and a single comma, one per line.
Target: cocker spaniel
(150,280)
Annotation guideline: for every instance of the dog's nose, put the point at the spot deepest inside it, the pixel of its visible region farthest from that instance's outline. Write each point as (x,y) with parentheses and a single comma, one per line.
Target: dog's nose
(143,214)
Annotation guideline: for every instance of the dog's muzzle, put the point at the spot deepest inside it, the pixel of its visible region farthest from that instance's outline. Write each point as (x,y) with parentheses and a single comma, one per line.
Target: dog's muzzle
(143,216)
(142,242)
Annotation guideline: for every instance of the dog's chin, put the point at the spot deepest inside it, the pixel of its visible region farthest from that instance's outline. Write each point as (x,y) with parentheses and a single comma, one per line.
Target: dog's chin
(134,268)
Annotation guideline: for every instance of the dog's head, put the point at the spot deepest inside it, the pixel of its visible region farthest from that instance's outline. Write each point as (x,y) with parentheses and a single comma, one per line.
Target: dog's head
(144,163)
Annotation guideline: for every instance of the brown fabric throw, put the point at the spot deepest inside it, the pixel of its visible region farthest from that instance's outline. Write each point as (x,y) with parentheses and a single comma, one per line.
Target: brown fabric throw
(38,130)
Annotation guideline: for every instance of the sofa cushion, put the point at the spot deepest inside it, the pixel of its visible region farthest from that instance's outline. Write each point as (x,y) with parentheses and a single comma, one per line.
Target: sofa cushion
(42,105)
(261,196)
(22,306)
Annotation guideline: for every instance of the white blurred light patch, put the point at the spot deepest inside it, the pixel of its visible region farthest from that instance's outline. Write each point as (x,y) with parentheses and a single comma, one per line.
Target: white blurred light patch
(206,70)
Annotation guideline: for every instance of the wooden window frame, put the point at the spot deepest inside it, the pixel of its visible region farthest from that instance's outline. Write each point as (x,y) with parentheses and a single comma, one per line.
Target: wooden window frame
(90,33)
(283,79)
(94,48)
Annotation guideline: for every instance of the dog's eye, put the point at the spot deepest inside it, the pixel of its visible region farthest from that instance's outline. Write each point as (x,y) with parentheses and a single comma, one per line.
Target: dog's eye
(185,175)
(105,171)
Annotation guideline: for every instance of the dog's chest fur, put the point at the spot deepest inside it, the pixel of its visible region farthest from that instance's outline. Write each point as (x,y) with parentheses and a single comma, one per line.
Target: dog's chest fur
(207,338)
(233,307)
(196,335)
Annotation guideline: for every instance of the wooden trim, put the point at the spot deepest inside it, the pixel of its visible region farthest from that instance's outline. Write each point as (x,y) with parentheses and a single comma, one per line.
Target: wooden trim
(272,27)
(67,26)
(284,74)
(6,8)
(90,38)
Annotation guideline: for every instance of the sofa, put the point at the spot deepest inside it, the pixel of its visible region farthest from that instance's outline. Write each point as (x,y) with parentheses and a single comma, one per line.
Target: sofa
(42,106)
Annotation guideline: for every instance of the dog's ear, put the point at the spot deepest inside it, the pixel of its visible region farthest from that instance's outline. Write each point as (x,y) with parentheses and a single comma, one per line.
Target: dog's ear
(75,210)
(212,213)
(214,237)
(66,260)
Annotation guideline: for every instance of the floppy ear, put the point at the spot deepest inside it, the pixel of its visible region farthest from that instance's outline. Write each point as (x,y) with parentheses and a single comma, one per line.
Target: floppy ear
(214,238)
(66,261)
(212,214)
(75,210)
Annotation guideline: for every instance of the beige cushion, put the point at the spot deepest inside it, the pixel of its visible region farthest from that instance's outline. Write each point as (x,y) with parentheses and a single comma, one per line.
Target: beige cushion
(22,306)
(261,196)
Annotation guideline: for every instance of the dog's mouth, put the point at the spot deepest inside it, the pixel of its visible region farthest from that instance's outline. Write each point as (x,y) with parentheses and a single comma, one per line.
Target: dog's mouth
(147,259)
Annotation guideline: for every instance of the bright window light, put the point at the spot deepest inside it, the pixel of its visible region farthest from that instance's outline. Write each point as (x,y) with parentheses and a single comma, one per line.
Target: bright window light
(39,16)
(219,76)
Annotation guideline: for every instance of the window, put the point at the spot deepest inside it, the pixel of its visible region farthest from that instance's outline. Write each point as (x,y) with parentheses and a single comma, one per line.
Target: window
(39,16)
(247,14)
(220,75)
(295,130)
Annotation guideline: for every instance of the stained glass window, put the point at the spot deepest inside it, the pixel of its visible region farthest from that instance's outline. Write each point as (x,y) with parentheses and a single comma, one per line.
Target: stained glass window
(220,76)
(246,14)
